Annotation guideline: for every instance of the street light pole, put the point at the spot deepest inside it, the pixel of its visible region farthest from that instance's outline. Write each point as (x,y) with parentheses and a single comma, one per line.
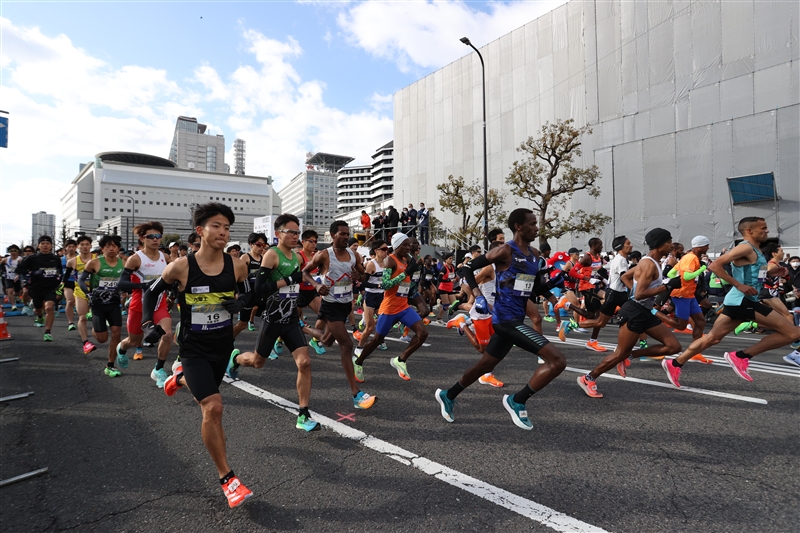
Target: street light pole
(133,223)
(467,42)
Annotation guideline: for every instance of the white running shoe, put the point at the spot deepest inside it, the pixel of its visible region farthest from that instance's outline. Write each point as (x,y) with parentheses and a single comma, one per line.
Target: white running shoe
(793,358)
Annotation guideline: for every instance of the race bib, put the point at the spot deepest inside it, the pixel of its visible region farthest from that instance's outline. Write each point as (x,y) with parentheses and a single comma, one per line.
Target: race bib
(762,274)
(415,276)
(343,290)
(523,285)
(451,276)
(428,277)
(107,284)
(211,320)
(404,288)
(50,273)
(290,291)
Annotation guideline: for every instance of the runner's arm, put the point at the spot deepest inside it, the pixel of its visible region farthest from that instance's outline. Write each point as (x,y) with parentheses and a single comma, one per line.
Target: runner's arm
(82,280)
(387,281)
(742,251)
(480,262)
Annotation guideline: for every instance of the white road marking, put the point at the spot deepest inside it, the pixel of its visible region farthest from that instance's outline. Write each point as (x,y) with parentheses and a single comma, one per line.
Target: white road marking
(522,506)
(404,342)
(683,387)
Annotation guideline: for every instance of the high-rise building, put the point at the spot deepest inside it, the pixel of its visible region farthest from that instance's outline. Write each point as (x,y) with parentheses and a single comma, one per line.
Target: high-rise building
(193,149)
(364,186)
(42,224)
(311,195)
(239,153)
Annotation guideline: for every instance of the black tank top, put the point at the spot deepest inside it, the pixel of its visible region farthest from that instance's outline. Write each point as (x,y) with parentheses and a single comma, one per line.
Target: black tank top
(206,327)
(253,266)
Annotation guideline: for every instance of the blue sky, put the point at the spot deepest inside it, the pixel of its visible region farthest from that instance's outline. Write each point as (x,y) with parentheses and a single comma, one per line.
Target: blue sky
(288,77)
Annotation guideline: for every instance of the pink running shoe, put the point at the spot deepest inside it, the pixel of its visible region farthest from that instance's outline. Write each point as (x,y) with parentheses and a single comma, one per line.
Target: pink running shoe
(673,372)
(88,347)
(739,365)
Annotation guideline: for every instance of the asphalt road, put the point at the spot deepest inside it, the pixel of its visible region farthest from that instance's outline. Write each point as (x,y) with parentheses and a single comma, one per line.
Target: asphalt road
(647,457)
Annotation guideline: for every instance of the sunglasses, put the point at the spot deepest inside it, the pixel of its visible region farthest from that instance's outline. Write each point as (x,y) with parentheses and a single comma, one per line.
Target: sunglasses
(384,249)
(290,231)
(260,244)
(153,236)
(312,241)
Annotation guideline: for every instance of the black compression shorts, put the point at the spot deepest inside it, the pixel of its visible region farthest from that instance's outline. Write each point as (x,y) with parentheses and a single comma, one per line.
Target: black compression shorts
(291,334)
(104,315)
(203,374)
(591,300)
(637,317)
(513,334)
(746,311)
(306,297)
(613,300)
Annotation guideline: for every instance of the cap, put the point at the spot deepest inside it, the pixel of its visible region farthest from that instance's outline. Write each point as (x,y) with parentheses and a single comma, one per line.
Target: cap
(46,238)
(173,243)
(700,241)
(398,239)
(573,251)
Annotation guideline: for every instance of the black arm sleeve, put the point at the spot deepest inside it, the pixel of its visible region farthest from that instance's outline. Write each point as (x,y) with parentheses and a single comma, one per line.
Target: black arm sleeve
(82,281)
(126,285)
(476,264)
(264,284)
(150,299)
(66,275)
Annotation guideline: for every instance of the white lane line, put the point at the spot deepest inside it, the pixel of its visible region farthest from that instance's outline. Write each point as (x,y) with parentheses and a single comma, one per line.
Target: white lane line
(522,506)
(404,342)
(683,388)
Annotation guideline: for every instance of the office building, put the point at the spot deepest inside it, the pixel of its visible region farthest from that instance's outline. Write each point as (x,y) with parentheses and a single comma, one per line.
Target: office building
(694,107)
(193,149)
(119,189)
(365,186)
(311,195)
(42,224)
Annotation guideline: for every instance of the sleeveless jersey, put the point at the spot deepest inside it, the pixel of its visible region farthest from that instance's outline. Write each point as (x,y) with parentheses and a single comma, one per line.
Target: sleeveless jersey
(206,327)
(64,260)
(488,289)
(447,278)
(104,282)
(514,286)
(281,305)
(11,268)
(647,302)
(253,265)
(395,300)
(375,278)
(79,266)
(304,286)
(148,270)
(753,275)
(339,278)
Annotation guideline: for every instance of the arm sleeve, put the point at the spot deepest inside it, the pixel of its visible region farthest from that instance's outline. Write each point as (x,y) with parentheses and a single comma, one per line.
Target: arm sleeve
(469,272)
(67,274)
(265,286)
(125,283)
(689,276)
(575,273)
(150,299)
(82,281)
(24,266)
(387,281)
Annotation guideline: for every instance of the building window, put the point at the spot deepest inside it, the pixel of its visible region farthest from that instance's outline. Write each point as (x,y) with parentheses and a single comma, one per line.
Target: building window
(113,190)
(151,202)
(129,210)
(172,204)
(106,209)
(158,203)
(137,211)
(105,218)
(114,209)
(114,200)
(136,192)
(144,192)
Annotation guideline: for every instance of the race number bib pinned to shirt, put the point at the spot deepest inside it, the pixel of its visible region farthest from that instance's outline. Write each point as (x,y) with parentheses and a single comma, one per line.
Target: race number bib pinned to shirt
(343,290)
(210,320)
(107,284)
(415,276)
(50,273)
(428,277)
(451,276)
(523,285)
(762,274)
(404,288)
(290,291)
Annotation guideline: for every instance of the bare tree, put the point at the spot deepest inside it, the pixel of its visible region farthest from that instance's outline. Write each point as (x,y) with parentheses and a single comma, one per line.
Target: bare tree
(459,198)
(548,178)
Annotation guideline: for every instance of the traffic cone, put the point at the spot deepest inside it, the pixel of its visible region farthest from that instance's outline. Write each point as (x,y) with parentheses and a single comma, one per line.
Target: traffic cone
(3,327)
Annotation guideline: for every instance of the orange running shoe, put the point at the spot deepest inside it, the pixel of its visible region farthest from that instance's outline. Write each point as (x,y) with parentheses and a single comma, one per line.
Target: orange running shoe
(561,304)
(704,360)
(236,492)
(138,355)
(426,321)
(594,345)
(589,387)
(171,386)
(622,368)
(489,379)
(456,322)
(357,335)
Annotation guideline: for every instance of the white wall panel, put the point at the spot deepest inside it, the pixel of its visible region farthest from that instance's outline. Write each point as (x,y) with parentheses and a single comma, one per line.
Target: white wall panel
(773,88)
(736,97)
(660,187)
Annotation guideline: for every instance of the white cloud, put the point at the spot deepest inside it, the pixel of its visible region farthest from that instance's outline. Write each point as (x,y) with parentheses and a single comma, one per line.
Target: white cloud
(426,34)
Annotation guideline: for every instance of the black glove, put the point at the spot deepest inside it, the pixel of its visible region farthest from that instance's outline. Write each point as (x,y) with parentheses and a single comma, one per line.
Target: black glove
(233,305)
(412,267)
(294,278)
(153,333)
(674,283)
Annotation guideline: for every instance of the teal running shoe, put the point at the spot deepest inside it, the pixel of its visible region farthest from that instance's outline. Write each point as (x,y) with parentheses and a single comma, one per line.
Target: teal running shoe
(122,359)
(233,369)
(318,347)
(272,356)
(251,326)
(278,347)
(38,322)
(112,372)
(362,400)
(159,376)
(446,404)
(382,346)
(47,337)
(307,424)
(643,344)
(518,412)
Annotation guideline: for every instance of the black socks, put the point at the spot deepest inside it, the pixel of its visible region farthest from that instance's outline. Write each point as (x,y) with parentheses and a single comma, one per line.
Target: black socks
(741,355)
(454,391)
(523,395)
(229,476)
(304,411)
(159,364)
(675,363)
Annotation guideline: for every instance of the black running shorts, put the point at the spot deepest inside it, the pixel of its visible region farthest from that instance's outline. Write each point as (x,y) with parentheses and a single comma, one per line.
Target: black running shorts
(104,315)
(591,300)
(512,334)
(203,374)
(335,311)
(39,296)
(306,297)
(746,311)
(613,300)
(290,334)
(637,317)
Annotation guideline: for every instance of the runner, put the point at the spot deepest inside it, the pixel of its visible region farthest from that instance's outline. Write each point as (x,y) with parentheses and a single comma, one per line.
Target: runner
(749,270)
(586,272)
(69,284)
(207,282)
(141,271)
(374,294)
(73,269)
(174,251)
(516,284)
(258,245)
(45,278)
(103,274)
(396,283)
(12,282)
(308,295)
(447,276)
(337,264)
(637,313)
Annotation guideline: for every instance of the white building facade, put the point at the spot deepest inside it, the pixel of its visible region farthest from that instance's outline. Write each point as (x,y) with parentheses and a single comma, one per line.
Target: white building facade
(42,224)
(193,149)
(367,186)
(681,96)
(137,187)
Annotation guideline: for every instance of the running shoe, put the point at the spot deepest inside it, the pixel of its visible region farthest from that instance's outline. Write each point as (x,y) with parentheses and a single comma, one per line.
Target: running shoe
(359,311)
(622,367)
(400,366)
(89,315)
(236,493)
(112,372)
(251,326)
(642,345)
(453,308)
(88,348)
(122,359)
(159,376)
(446,404)
(358,350)
(272,355)
(673,372)
(138,355)
(47,337)
(382,347)
(176,364)
(72,327)
(594,345)
(363,400)
(318,347)
(793,358)
(745,327)
(589,387)
(361,325)
(580,330)
(518,412)
(124,312)
(27,311)
(540,360)
(440,321)
(699,357)
(795,345)
(561,304)
(563,329)
(357,335)
(739,365)
(171,386)
(489,379)
(548,318)
(38,322)
(13,308)
(358,370)
(306,423)
(456,321)
(426,321)
(405,338)
(278,348)
(148,344)
(233,369)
